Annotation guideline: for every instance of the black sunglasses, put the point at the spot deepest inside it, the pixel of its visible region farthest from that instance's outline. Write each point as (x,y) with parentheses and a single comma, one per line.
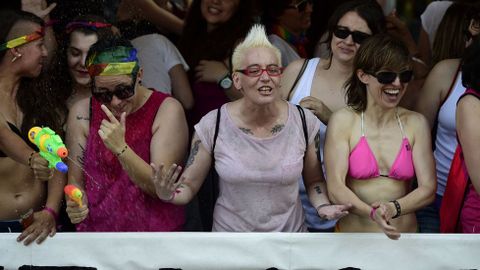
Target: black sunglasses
(121,92)
(357,36)
(301,6)
(388,77)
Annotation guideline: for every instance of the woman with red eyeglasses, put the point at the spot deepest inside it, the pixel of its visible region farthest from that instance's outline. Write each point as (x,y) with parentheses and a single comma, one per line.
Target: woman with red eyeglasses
(259,145)
(320,88)
(375,148)
(113,137)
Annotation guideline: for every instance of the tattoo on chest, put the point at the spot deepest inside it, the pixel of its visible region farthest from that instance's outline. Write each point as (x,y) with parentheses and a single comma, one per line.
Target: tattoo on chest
(80,117)
(246,131)
(276,129)
(193,153)
(318,190)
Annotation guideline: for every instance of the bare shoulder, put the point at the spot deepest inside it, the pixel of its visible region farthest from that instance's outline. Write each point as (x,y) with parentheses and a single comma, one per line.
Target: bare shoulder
(170,105)
(343,119)
(169,112)
(445,70)
(413,121)
(289,75)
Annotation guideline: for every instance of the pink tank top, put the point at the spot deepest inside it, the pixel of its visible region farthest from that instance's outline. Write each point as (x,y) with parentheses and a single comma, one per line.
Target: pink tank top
(363,164)
(115,203)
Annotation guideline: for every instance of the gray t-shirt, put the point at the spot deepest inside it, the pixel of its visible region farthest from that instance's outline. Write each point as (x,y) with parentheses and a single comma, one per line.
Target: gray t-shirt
(258,177)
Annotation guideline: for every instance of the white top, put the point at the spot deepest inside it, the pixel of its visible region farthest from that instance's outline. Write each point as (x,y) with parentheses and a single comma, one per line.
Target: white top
(432,16)
(157,55)
(302,90)
(288,53)
(258,176)
(446,137)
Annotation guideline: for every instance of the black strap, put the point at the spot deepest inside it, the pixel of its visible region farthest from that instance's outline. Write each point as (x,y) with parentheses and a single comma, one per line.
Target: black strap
(300,73)
(215,135)
(304,125)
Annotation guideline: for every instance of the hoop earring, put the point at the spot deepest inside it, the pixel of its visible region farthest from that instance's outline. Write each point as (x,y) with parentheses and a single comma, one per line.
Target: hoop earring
(16,57)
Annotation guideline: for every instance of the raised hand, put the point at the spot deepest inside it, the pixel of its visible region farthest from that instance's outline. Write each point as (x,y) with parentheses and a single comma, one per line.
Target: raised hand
(38,7)
(335,211)
(210,71)
(112,131)
(165,181)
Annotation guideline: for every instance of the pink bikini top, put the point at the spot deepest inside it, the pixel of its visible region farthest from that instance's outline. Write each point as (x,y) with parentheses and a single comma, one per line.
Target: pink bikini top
(363,164)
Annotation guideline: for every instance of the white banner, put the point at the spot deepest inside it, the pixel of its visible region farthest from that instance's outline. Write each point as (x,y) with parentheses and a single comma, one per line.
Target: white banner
(244,251)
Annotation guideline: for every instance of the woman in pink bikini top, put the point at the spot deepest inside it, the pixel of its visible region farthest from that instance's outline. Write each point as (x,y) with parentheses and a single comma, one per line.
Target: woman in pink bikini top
(374,148)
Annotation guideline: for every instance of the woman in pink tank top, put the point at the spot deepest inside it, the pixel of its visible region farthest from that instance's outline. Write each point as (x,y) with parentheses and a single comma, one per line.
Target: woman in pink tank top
(374,148)
(262,148)
(115,135)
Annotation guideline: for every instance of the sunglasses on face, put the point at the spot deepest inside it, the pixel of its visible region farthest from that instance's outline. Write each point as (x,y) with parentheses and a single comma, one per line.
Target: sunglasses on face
(121,92)
(301,6)
(388,77)
(357,36)
(256,70)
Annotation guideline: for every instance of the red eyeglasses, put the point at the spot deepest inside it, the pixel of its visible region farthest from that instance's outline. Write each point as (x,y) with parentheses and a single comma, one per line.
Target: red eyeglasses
(256,70)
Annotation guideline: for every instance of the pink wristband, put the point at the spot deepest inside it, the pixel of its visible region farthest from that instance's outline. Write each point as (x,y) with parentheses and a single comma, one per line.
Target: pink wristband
(372,213)
(51,212)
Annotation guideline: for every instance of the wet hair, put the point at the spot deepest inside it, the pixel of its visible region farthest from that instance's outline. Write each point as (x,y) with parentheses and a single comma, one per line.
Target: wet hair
(471,66)
(40,104)
(64,81)
(379,52)
(369,10)
(453,33)
(197,44)
(256,38)
(8,19)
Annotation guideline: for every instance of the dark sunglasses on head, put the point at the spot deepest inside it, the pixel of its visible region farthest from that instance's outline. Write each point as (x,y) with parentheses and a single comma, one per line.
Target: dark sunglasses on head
(357,36)
(388,77)
(121,92)
(301,5)
(256,70)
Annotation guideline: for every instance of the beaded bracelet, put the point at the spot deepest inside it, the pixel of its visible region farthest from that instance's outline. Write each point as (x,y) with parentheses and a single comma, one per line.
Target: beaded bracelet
(123,150)
(51,212)
(30,159)
(398,208)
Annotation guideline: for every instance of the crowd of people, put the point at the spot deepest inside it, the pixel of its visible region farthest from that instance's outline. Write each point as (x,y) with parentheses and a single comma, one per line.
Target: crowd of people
(358,132)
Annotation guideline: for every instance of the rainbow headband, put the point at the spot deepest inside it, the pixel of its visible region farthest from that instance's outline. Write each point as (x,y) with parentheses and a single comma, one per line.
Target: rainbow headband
(113,61)
(85,24)
(22,40)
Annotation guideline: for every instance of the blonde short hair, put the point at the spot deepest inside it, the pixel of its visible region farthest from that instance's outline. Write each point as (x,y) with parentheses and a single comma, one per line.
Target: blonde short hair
(256,38)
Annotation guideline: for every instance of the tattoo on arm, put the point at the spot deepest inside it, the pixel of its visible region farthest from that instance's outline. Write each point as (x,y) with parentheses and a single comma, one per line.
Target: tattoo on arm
(193,153)
(80,117)
(81,159)
(277,128)
(246,130)
(317,144)
(318,190)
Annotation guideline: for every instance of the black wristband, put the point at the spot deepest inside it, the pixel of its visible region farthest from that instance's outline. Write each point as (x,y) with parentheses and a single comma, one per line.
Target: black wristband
(398,208)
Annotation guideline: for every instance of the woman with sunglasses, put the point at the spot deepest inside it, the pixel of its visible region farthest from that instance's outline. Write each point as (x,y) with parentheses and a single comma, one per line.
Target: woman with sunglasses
(321,86)
(262,148)
(114,136)
(374,148)
(30,192)
(287,22)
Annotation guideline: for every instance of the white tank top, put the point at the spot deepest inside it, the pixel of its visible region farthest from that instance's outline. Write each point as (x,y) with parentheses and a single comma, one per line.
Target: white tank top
(446,137)
(303,89)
